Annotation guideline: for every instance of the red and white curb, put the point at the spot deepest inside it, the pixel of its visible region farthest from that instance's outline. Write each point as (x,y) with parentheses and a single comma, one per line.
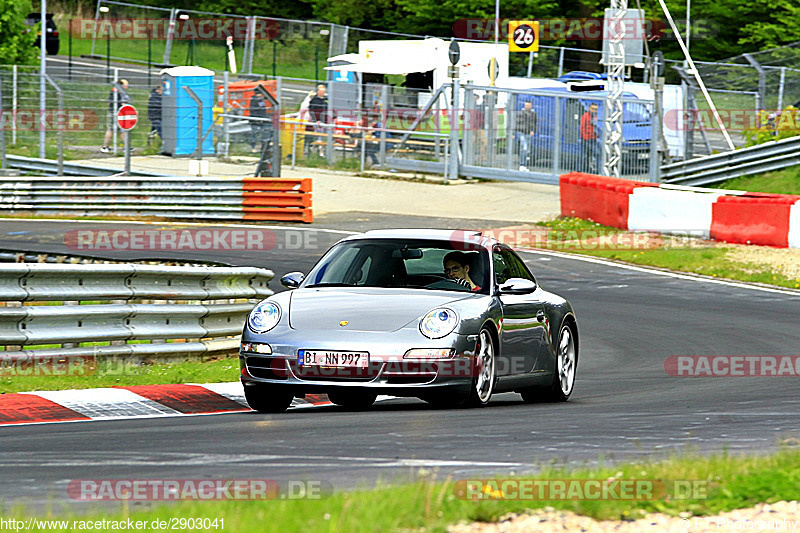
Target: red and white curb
(140,401)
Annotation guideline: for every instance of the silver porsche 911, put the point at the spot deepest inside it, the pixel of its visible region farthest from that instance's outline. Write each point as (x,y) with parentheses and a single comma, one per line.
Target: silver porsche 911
(450,317)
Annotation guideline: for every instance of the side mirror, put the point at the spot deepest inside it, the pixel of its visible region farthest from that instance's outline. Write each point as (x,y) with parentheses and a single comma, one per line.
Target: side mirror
(517,286)
(292,280)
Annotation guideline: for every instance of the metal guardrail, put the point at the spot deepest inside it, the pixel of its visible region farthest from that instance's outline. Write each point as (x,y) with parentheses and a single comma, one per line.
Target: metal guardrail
(165,197)
(717,168)
(188,308)
(50,167)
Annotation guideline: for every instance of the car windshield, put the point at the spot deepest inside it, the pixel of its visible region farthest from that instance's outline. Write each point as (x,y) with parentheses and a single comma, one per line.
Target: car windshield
(414,264)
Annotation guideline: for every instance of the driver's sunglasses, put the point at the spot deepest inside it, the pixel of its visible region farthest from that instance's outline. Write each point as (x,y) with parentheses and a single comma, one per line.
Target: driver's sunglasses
(455,268)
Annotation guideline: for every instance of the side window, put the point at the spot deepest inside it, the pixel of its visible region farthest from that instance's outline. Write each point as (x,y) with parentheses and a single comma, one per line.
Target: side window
(508,265)
(519,267)
(502,270)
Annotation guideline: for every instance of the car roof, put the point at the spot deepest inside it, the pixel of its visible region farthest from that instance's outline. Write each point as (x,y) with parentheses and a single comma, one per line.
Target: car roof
(465,236)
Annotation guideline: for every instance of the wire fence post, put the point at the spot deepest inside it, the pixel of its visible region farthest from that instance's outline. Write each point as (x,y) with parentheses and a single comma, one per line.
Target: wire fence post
(384,116)
(115,108)
(14,106)
(454,131)
(329,119)
(3,164)
(557,135)
(226,131)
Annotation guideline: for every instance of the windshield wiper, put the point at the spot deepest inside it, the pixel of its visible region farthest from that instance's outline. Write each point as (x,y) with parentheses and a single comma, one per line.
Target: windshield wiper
(329,284)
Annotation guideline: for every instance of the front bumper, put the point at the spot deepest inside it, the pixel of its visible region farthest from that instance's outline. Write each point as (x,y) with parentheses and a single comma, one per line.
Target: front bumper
(388,372)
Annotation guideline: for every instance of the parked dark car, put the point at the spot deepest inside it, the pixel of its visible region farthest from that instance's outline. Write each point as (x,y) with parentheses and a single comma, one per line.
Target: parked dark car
(450,317)
(51,39)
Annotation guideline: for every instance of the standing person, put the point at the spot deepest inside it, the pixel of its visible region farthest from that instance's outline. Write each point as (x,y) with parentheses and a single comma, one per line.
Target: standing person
(589,138)
(525,130)
(318,105)
(154,110)
(116,98)
(317,113)
(258,109)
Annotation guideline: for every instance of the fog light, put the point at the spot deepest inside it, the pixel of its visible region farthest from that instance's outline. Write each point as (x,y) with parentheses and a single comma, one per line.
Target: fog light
(429,353)
(256,347)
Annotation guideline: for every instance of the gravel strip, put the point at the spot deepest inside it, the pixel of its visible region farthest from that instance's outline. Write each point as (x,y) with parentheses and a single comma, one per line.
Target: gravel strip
(782,516)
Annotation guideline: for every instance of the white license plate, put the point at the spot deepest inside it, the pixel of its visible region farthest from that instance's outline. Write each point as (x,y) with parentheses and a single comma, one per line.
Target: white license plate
(328,358)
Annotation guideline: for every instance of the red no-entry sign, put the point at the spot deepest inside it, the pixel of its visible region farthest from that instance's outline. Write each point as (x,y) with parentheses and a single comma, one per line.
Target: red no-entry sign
(127,117)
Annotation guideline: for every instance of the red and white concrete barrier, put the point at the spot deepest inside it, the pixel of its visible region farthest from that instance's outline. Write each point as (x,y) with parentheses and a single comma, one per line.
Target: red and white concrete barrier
(730,216)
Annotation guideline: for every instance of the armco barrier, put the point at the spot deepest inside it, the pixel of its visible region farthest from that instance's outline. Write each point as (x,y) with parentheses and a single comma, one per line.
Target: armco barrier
(601,199)
(280,199)
(730,216)
(203,307)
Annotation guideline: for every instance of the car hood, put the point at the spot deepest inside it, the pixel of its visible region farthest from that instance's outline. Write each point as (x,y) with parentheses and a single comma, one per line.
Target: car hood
(364,308)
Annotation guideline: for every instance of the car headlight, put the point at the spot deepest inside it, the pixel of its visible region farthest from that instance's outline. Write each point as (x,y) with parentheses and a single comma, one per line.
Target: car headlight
(264,317)
(438,323)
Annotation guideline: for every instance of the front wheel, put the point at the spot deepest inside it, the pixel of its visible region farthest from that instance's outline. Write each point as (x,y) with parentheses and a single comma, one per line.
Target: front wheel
(268,399)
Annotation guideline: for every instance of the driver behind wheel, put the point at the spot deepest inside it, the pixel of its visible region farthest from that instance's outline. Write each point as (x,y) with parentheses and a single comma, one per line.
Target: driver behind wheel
(456,268)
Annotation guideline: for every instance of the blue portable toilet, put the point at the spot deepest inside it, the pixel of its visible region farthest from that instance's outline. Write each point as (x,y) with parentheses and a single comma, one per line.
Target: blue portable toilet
(179,110)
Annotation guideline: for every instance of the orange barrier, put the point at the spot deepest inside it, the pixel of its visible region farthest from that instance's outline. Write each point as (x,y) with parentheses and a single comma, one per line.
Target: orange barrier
(755,218)
(281,199)
(598,198)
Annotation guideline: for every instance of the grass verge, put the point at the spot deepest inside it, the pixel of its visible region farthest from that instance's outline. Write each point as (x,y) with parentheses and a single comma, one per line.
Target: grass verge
(680,254)
(116,373)
(786,181)
(718,483)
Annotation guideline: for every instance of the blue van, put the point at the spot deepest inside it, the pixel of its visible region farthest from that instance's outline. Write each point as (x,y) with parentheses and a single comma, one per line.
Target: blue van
(636,130)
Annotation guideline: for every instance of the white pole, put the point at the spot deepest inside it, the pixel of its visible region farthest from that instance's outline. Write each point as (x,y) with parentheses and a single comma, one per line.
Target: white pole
(14,107)
(697,76)
(493,62)
(688,22)
(42,73)
(115,107)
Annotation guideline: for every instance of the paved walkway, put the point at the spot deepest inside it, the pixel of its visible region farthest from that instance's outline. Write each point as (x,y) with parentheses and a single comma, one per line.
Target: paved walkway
(396,193)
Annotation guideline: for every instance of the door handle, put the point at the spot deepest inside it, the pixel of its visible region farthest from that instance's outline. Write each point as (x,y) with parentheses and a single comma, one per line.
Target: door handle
(540,315)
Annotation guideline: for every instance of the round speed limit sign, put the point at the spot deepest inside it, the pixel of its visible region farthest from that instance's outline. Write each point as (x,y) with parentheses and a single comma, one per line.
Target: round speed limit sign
(523,36)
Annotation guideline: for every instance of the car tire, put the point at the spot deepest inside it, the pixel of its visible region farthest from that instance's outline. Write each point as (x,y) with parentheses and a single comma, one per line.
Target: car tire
(352,399)
(52,49)
(484,370)
(564,374)
(268,399)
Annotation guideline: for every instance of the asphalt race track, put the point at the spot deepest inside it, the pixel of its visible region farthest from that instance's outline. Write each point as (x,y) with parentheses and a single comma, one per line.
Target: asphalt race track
(624,406)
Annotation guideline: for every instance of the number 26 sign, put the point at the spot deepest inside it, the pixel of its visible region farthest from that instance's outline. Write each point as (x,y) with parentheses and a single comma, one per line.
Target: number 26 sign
(523,36)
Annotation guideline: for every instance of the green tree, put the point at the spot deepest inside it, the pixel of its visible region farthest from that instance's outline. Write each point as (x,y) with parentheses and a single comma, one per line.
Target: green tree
(16,38)
(368,14)
(296,9)
(778,23)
